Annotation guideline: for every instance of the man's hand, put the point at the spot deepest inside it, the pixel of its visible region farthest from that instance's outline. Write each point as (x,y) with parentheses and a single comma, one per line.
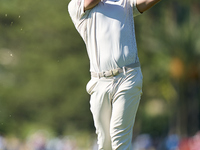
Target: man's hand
(143,5)
(89,4)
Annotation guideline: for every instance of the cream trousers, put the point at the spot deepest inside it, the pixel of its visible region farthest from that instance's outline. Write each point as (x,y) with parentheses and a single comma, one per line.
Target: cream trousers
(114,102)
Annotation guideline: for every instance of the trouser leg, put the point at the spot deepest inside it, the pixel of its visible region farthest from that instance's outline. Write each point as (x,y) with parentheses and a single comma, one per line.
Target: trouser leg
(122,121)
(124,107)
(101,110)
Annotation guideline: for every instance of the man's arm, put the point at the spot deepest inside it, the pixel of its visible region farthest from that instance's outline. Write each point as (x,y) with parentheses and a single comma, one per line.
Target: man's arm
(88,4)
(143,5)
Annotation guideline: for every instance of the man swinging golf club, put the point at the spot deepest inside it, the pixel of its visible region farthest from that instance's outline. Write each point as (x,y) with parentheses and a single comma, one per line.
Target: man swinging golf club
(107,28)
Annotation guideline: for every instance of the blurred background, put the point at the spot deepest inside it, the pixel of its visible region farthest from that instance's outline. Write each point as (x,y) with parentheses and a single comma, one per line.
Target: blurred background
(44,69)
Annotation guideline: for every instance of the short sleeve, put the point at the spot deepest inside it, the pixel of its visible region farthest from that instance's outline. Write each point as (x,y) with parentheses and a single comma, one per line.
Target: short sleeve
(135,10)
(76,10)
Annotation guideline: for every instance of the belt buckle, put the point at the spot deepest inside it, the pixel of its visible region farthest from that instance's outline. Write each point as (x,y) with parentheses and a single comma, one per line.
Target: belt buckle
(115,72)
(110,73)
(107,73)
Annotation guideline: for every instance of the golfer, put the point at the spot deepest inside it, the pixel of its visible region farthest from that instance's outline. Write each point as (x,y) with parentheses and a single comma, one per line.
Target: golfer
(107,28)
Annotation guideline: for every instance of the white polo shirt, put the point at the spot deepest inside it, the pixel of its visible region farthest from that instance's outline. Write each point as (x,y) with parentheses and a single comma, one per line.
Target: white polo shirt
(108,32)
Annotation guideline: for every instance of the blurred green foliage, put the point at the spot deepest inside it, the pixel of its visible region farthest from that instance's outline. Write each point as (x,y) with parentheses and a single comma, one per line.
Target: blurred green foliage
(44,68)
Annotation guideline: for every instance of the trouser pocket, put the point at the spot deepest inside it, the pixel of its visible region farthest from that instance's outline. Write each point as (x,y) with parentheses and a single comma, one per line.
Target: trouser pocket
(90,86)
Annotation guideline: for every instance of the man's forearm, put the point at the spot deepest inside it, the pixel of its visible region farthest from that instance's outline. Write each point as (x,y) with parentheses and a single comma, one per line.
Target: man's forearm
(143,5)
(89,4)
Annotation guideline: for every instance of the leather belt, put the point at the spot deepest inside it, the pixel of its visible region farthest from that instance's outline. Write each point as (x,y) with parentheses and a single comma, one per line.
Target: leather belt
(114,72)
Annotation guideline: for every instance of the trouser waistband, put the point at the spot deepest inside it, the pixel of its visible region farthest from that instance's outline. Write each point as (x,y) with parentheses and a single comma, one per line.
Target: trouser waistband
(114,72)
